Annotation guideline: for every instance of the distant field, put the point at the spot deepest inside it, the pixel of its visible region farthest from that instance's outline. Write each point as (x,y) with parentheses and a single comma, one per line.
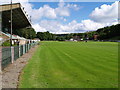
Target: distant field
(72,65)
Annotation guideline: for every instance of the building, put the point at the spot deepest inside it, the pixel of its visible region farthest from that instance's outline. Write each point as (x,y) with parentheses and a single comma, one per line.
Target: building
(20,19)
(21,40)
(15,38)
(3,37)
(36,40)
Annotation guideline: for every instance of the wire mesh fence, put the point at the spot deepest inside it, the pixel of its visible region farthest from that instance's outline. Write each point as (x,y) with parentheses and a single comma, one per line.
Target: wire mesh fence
(21,50)
(8,54)
(16,52)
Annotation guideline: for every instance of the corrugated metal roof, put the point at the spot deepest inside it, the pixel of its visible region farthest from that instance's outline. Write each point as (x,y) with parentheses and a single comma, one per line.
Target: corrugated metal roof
(20,17)
(13,36)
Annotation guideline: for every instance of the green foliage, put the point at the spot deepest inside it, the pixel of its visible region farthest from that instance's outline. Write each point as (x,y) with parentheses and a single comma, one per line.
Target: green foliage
(103,33)
(59,37)
(45,36)
(109,32)
(28,33)
(6,43)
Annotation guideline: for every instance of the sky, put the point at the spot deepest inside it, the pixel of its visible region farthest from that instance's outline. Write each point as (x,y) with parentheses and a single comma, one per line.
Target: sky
(71,17)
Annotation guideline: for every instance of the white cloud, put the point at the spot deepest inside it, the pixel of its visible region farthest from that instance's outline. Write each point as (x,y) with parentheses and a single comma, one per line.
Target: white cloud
(73,26)
(45,11)
(64,20)
(73,6)
(103,16)
(37,14)
(105,13)
(49,12)
(38,28)
(62,11)
(91,25)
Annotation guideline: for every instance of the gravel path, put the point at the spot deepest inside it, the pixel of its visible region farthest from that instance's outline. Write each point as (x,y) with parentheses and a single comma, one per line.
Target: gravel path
(0,80)
(10,74)
(0,70)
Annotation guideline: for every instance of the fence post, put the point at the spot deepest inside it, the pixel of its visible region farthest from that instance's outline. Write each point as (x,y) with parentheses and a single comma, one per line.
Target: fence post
(0,51)
(23,49)
(19,51)
(12,54)
(0,60)
(26,48)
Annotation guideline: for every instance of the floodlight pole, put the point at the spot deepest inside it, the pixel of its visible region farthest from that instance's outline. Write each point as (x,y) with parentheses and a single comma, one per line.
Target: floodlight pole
(12,52)
(11,25)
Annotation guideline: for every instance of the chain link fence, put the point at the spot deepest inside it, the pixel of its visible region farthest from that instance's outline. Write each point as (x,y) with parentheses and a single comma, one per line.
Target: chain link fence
(9,55)
(16,52)
(6,56)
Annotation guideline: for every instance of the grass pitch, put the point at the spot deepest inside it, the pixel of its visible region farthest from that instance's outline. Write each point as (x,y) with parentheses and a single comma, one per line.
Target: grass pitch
(72,65)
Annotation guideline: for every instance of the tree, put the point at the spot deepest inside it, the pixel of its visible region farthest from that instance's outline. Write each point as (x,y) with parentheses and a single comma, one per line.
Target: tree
(46,36)
(28,33)
(109,32)
(40,35)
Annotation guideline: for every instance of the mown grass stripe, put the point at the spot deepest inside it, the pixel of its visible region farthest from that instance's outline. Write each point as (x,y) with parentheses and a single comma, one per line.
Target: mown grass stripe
(72,65)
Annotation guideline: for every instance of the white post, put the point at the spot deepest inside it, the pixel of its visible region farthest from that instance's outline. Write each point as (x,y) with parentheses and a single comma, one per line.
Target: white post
(0,43)
(26,48)
(0,68)
(0,51)
(11,25)
(11,34)
(23,49)
(0,60)
(19,50)
(12,53)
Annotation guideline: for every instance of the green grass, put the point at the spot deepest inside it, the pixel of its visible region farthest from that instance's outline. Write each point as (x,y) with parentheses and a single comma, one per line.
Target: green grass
(72,65)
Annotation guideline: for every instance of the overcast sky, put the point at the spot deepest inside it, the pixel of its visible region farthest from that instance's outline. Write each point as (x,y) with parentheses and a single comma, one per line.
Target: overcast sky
(71,17)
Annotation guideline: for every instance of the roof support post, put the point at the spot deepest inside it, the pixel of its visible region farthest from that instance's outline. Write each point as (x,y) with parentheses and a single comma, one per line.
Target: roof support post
(11,25)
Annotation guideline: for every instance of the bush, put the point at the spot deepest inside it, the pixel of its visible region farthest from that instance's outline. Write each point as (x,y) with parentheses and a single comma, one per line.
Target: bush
(6,43)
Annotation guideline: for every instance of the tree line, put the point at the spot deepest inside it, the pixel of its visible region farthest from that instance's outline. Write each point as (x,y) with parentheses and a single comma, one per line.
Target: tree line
(106,33)
(110,32)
